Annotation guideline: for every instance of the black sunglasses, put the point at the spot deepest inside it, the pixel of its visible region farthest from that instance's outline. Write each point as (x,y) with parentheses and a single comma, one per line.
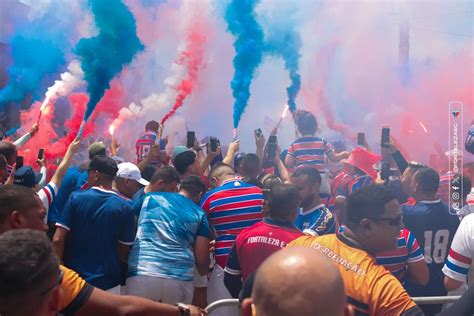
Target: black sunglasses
(397,221)
(55,285)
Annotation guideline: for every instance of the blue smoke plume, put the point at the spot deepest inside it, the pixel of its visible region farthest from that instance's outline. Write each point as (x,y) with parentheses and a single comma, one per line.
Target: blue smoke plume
(283,40)
(37,53)
(241,22)
(104,56)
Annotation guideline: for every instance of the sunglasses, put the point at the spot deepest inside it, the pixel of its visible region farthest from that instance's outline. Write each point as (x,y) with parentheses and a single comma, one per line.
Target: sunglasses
(55,285)
(397,221)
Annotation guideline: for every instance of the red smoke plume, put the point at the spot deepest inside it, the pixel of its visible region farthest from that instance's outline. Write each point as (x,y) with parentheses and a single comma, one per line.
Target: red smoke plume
(192,58)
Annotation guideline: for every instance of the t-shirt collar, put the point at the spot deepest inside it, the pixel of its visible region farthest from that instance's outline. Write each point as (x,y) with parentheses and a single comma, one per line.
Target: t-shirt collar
(431,202)
(278,222)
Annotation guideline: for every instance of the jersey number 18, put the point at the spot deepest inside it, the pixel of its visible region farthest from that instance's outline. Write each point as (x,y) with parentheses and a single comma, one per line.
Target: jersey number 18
(440,246)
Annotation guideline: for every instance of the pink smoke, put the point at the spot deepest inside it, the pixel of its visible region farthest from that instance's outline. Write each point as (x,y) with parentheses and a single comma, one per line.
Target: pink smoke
(55,146)
(192,58)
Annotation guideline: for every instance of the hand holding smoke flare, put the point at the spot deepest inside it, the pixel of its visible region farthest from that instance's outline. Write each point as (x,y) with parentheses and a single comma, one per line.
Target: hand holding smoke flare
(104,56)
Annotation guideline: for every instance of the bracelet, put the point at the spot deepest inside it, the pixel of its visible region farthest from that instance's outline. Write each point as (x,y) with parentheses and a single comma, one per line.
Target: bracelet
(184,309)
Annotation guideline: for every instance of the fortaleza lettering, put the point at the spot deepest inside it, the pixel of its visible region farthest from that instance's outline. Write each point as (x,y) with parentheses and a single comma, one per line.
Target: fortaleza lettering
(350,266)
(266,240)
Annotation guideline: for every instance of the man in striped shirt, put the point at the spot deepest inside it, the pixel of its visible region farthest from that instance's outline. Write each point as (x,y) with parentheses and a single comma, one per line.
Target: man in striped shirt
(406,260)
(457,268)
(231,207)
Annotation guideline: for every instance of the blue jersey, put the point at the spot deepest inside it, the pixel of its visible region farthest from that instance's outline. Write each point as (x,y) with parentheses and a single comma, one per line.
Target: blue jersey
(167,229)
(82,181)
(97,220)
(318,220)
(434,224)
(137,201)
(68,185)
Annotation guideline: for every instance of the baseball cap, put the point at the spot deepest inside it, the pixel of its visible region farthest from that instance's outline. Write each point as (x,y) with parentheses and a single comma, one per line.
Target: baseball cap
(128,170)
(179,150)
(27,177)
(104,164)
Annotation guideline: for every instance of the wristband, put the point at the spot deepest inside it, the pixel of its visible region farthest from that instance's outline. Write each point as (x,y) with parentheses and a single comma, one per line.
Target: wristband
(184,309)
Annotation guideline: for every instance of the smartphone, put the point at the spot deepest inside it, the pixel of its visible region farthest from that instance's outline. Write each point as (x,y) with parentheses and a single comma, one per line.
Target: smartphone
(272,146)
(385,136)
(214,142)
(190,139)
(41,154)
(258,133)
(385,171)
(361,139)
(19,162)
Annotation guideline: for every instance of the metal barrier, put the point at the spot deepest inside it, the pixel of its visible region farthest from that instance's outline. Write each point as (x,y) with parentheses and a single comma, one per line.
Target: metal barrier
(435,299)
(418,300)
(221,303)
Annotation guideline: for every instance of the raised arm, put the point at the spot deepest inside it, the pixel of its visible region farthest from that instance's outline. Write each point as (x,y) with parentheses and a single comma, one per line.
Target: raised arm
(66,162)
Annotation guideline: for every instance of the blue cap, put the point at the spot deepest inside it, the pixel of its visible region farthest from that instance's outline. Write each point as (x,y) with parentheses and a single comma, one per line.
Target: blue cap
(27,177)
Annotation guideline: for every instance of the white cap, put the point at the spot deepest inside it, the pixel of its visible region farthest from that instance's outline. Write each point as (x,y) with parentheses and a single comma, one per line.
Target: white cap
(128,170)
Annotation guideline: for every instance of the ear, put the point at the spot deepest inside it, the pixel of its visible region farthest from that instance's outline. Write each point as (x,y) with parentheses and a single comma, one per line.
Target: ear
(247,307)
(54,304)
(349,311)
(17,220)
(365,225)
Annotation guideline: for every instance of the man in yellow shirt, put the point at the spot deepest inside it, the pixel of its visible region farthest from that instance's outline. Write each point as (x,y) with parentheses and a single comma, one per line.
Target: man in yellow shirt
(373,225)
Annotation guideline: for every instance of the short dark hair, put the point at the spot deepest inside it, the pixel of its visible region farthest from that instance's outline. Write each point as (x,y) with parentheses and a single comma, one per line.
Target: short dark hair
(466,184)
(152,126)
(218,169)
(193,185)
(428,179)
(148,172)
(283,200)
(312,174)
(105,166)
(367,202)
(167,174)
(16,198)
(27,265)
(306,122)
(250,165)
(7,149)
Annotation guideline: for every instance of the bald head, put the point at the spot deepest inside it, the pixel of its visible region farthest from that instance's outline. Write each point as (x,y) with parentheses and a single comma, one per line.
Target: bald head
(298,281)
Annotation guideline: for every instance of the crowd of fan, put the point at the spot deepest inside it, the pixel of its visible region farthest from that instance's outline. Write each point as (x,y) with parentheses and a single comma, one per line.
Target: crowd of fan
(312,230)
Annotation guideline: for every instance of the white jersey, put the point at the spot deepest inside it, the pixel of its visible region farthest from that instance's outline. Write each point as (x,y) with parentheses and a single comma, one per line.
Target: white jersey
(458,264)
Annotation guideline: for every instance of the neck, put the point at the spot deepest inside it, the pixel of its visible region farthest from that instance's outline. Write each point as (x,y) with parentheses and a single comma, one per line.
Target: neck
(104,185)
(356,239)
(316,201)
(148,188)
(425,197)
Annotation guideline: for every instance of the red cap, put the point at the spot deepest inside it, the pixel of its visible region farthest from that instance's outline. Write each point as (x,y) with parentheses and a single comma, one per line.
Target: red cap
(364,160)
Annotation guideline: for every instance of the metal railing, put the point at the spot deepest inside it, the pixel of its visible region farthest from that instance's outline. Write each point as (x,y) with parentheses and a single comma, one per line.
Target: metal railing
(418,300)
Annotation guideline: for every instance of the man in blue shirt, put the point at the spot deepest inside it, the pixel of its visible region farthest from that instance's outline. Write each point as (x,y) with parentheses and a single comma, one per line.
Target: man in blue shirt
(99,226)
(172,238)
(434,224)
(313,216)
(164,179)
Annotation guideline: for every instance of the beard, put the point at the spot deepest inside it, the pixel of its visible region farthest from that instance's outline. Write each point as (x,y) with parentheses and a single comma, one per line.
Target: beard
(307,200)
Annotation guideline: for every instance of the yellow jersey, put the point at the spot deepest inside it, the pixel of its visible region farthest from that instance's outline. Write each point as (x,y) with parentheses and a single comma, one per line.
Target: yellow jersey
(76,291)
(370,288)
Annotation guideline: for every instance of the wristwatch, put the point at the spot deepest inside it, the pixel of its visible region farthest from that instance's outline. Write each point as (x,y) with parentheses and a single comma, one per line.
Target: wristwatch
(184,309)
